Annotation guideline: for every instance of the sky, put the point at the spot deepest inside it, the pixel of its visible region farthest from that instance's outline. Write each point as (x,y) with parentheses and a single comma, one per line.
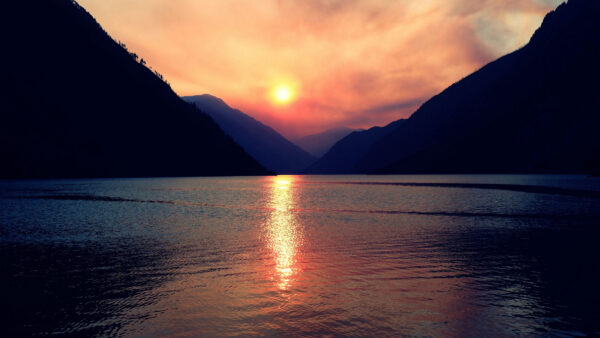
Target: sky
(304,66)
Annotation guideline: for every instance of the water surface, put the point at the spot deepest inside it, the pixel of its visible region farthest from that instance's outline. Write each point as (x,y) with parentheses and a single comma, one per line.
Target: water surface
(459,255)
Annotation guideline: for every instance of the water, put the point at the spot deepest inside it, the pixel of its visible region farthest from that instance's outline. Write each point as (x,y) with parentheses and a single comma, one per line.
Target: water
(301,255)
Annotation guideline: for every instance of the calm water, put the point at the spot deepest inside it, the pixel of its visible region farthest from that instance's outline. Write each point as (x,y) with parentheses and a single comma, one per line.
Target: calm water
(301,255)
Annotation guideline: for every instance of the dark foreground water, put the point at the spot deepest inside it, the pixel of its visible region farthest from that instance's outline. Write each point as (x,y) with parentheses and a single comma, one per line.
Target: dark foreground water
(292,256)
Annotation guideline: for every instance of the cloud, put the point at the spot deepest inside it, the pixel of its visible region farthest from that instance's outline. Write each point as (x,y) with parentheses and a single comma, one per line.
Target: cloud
(393,107)
(355,62)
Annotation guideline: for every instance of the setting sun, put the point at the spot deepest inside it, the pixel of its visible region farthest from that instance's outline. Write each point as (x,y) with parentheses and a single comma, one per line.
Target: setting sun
(282,94)
(298,168)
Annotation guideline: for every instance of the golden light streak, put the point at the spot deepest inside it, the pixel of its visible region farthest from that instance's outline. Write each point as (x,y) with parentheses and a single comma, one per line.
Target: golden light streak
(283,233)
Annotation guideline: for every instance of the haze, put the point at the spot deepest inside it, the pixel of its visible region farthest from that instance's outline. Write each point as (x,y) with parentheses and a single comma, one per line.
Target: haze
(355,63)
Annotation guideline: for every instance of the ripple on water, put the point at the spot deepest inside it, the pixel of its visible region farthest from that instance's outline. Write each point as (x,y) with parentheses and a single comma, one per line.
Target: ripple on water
(384,256)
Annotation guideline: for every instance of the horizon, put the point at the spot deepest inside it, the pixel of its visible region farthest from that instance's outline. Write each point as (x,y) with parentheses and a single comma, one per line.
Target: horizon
(306,68)
(131,206)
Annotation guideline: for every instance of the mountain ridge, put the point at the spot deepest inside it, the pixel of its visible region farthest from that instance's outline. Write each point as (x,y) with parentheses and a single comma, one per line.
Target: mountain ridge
(345,154)
(318,144)
(266,145)
(531,111)
(75,103)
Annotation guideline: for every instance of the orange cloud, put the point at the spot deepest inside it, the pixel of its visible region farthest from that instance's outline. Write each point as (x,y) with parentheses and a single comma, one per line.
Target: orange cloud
(355,63)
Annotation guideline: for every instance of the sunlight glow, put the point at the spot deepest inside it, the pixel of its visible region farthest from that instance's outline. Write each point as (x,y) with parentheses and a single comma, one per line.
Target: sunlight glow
(282,94)
(283,233)
(346,63)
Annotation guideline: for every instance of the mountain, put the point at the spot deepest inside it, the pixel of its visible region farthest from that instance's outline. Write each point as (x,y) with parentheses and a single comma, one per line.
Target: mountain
(262,142)
(345,154)
(535,110)
(319,144)
(75,103)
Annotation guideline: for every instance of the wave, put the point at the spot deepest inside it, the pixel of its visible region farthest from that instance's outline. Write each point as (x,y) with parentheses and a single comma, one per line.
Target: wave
(538,189)
(306,210)
(65,197)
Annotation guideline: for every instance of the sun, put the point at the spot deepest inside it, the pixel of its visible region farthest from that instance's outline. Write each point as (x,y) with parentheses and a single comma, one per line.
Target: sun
(282,94)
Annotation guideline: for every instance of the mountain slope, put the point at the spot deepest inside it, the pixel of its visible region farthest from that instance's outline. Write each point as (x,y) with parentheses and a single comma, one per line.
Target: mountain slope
(262,142)
(319,144)
(74,103)
(345,154)
(534,110)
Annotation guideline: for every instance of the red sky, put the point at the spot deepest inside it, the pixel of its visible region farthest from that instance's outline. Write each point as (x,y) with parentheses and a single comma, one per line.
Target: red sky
(354,63)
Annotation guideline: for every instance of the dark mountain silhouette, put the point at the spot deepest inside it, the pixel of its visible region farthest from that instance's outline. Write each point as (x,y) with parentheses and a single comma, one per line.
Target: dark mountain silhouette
(262,142)
(345,154)
(319,144)
(533,111)
(75,103)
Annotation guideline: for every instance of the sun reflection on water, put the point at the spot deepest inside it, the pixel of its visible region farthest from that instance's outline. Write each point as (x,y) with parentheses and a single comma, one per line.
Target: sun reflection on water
(283,233)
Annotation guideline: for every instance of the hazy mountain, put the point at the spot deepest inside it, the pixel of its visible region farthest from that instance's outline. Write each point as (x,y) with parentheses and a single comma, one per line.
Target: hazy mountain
(75,103)
(345,154)
(262,142)
(319,144)
(534,110)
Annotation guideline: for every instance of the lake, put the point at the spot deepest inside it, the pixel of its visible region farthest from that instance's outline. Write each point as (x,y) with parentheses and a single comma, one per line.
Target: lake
(463,255)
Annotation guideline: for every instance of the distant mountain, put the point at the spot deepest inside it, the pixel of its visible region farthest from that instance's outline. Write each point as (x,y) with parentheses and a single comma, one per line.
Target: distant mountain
(533,111)
(262,142)
(319,144)
(75,103)
(345,154)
